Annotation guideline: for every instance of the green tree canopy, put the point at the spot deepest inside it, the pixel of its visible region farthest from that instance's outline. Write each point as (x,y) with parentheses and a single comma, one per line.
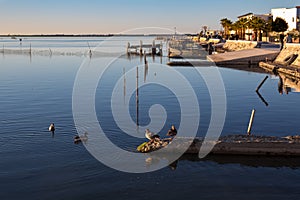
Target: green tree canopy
(226,23)
(279,25)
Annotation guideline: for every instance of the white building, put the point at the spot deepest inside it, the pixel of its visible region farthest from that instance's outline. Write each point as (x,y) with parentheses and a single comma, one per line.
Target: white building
(290,15)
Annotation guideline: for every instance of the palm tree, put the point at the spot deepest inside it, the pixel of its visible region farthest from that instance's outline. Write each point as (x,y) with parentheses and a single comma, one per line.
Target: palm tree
(226,23)
(267,28)
(257,24)
(243,23)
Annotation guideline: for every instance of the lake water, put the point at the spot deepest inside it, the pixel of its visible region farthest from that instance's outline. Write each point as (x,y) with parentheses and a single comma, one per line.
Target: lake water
(37,90)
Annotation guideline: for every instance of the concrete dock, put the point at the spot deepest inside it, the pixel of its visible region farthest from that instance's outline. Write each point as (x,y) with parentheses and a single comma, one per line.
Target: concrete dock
(243,57)
(286,63)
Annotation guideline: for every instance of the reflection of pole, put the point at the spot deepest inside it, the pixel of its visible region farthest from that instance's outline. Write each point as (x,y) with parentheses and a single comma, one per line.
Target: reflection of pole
(261,97)
(251,122)
(137,96)
(30,53)
(262,83)
(145,72)
(124,88)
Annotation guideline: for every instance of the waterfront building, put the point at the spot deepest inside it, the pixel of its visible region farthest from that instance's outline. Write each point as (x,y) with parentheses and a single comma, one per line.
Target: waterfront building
(249,32)
(290,15)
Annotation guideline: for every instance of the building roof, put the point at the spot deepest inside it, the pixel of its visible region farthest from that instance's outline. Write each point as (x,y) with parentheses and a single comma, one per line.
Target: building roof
(245,15)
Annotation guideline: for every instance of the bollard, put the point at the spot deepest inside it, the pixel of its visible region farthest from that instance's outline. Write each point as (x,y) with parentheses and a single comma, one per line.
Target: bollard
(251,122)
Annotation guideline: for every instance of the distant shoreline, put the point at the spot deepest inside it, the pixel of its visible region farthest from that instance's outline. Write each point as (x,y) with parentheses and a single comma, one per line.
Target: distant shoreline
(89,35)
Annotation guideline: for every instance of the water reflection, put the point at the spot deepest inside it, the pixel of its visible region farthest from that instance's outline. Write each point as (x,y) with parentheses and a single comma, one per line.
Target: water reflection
(287,84)
(262,98)
(250,161)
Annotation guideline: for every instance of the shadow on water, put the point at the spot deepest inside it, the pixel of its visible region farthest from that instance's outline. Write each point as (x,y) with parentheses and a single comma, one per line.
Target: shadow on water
(251,161)
(292,162)
(287,84)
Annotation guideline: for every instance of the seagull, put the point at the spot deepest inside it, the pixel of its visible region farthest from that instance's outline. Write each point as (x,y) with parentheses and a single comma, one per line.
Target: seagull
(149,135)
(51,127)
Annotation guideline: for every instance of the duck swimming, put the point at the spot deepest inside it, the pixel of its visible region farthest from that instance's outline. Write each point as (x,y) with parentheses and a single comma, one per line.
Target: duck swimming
(82,138)
(52,127)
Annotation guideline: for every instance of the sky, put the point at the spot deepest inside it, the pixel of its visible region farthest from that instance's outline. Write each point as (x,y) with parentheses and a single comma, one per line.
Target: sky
(117,16)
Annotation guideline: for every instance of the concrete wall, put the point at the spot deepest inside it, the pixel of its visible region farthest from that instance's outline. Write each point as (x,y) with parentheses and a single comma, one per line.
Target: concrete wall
(289,49)
(204,40)
(236,45)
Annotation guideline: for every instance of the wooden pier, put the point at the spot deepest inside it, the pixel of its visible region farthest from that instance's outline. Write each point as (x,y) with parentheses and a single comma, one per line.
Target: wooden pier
(148,49)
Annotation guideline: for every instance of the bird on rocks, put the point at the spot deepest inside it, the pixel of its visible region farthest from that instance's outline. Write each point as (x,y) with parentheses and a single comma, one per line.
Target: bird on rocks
(150,135)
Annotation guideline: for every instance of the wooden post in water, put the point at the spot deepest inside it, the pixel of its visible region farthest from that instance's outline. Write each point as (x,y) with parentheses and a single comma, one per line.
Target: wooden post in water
(137,96)
(141,47)
(251,122)
(160,49)
(127,48)
(124,86)
(262,83)
(30,49)
(153,48)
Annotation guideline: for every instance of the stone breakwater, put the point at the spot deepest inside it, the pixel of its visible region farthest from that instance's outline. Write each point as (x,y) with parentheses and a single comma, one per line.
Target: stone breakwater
(237,45)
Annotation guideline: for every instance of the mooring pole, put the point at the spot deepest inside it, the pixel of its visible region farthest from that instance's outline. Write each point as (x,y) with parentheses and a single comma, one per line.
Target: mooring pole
(153,48)
(124,87)
(251,122)
(141,47)
(127,48)
(160,49)
(262,83)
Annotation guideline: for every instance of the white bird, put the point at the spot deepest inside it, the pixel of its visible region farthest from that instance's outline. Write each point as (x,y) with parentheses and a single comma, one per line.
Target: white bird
(52,127)
(149,135)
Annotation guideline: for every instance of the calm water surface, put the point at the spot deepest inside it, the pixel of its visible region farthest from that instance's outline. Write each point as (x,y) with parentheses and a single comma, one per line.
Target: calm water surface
(34,164)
